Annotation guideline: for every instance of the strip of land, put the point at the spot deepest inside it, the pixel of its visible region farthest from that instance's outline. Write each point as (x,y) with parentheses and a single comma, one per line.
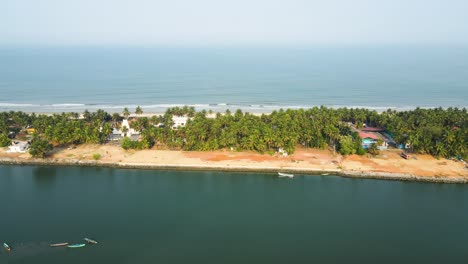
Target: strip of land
(389,165)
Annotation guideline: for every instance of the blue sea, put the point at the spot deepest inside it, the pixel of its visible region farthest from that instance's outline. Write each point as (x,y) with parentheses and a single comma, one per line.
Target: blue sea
(254,79)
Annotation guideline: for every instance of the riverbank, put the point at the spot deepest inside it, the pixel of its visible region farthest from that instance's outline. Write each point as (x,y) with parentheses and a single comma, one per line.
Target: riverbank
(389,165)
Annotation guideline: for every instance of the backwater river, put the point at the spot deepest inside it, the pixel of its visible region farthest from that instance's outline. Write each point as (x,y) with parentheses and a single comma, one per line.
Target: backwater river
(153,216)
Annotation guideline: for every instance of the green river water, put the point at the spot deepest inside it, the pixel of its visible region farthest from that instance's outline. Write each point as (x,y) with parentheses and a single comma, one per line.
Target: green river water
(147,216)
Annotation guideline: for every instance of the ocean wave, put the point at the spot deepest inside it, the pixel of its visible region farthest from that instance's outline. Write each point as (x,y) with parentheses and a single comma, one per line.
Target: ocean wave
(66,105)
(15,105)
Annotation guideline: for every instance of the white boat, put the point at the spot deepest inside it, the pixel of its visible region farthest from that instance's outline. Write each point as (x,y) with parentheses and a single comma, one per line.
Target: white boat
(285,175)
(90,241)
(7,247)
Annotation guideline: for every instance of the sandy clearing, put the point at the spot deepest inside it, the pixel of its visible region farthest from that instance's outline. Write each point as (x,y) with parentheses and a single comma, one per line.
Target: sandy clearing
(303,159)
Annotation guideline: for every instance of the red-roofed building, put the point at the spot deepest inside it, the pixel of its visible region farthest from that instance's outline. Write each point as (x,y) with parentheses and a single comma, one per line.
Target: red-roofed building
(364,135)
(369,138)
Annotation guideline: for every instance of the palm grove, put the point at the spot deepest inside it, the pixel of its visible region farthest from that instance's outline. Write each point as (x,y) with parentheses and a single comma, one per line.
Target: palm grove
(439,132)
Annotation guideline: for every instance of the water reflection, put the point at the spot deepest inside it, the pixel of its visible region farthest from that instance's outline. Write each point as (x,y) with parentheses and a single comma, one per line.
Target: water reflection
(44,176)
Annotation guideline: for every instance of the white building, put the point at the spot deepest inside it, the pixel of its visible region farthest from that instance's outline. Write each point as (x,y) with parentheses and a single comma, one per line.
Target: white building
(18,147)
(179,121)
(130,131)
(282,152)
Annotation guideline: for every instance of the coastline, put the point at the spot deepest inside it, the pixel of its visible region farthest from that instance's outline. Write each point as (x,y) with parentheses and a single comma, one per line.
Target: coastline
(150,110)
(320,163)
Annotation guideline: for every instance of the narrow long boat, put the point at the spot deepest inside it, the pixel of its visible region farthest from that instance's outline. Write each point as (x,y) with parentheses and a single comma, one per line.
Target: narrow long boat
(7,247)
(76,245)
(90,241)
(285,175)
(59,245)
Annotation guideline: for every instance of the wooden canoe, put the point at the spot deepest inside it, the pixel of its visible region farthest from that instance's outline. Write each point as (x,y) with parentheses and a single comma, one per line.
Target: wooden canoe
(59,245)
(90,241)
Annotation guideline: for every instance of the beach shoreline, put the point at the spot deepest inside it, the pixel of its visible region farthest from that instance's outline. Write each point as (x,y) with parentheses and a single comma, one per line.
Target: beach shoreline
(160,111)
(304,162)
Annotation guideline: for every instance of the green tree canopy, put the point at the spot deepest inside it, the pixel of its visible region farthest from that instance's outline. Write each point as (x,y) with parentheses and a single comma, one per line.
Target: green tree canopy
(39,148)
(4,140)
(346,145)
(126,113)
(138,110)
(439,132)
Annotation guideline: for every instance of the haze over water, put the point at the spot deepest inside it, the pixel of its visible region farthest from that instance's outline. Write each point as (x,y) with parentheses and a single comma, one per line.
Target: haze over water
(145,216)
(56,79)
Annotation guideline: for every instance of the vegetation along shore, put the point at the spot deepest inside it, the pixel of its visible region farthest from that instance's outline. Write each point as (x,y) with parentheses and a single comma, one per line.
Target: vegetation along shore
(421,144)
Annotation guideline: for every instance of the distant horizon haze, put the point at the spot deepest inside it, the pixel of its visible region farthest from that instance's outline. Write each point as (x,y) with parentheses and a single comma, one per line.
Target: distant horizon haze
(233,23)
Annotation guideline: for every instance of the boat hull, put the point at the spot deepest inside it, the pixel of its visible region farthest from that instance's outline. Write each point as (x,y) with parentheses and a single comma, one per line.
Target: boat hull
(285,175)
(59,245)
(7,247)
(90,241)
(76,245)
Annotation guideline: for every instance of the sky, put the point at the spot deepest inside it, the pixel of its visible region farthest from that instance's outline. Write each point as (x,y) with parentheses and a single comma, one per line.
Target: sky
(235,22)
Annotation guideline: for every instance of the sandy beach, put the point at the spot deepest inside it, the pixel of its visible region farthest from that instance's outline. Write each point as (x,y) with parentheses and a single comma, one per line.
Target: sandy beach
(388,165)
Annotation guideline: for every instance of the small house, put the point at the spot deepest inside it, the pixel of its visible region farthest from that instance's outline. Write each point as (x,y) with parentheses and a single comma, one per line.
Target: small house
(369,138)
(18,147)
(117,134)
(282,152)
(130,131)
(179,121)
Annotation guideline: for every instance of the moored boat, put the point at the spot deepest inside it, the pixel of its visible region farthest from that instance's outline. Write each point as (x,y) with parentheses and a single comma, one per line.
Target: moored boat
(76,245)
(90,241)
(7,247)
(59,245)
(287,175)
(405,155)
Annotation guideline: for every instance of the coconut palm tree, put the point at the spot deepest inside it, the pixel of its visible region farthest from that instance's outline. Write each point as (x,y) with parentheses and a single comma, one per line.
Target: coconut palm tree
(116,118)
(126,113)
(138,110)
(125,130)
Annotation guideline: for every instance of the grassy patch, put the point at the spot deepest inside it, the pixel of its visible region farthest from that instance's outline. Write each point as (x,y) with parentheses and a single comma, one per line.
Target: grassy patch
(96,156)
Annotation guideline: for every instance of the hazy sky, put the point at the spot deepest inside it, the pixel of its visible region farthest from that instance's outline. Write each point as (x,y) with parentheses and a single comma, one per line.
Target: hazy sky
(206,22)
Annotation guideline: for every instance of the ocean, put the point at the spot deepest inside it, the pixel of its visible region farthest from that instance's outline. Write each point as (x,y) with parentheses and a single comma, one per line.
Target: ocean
(255,79)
